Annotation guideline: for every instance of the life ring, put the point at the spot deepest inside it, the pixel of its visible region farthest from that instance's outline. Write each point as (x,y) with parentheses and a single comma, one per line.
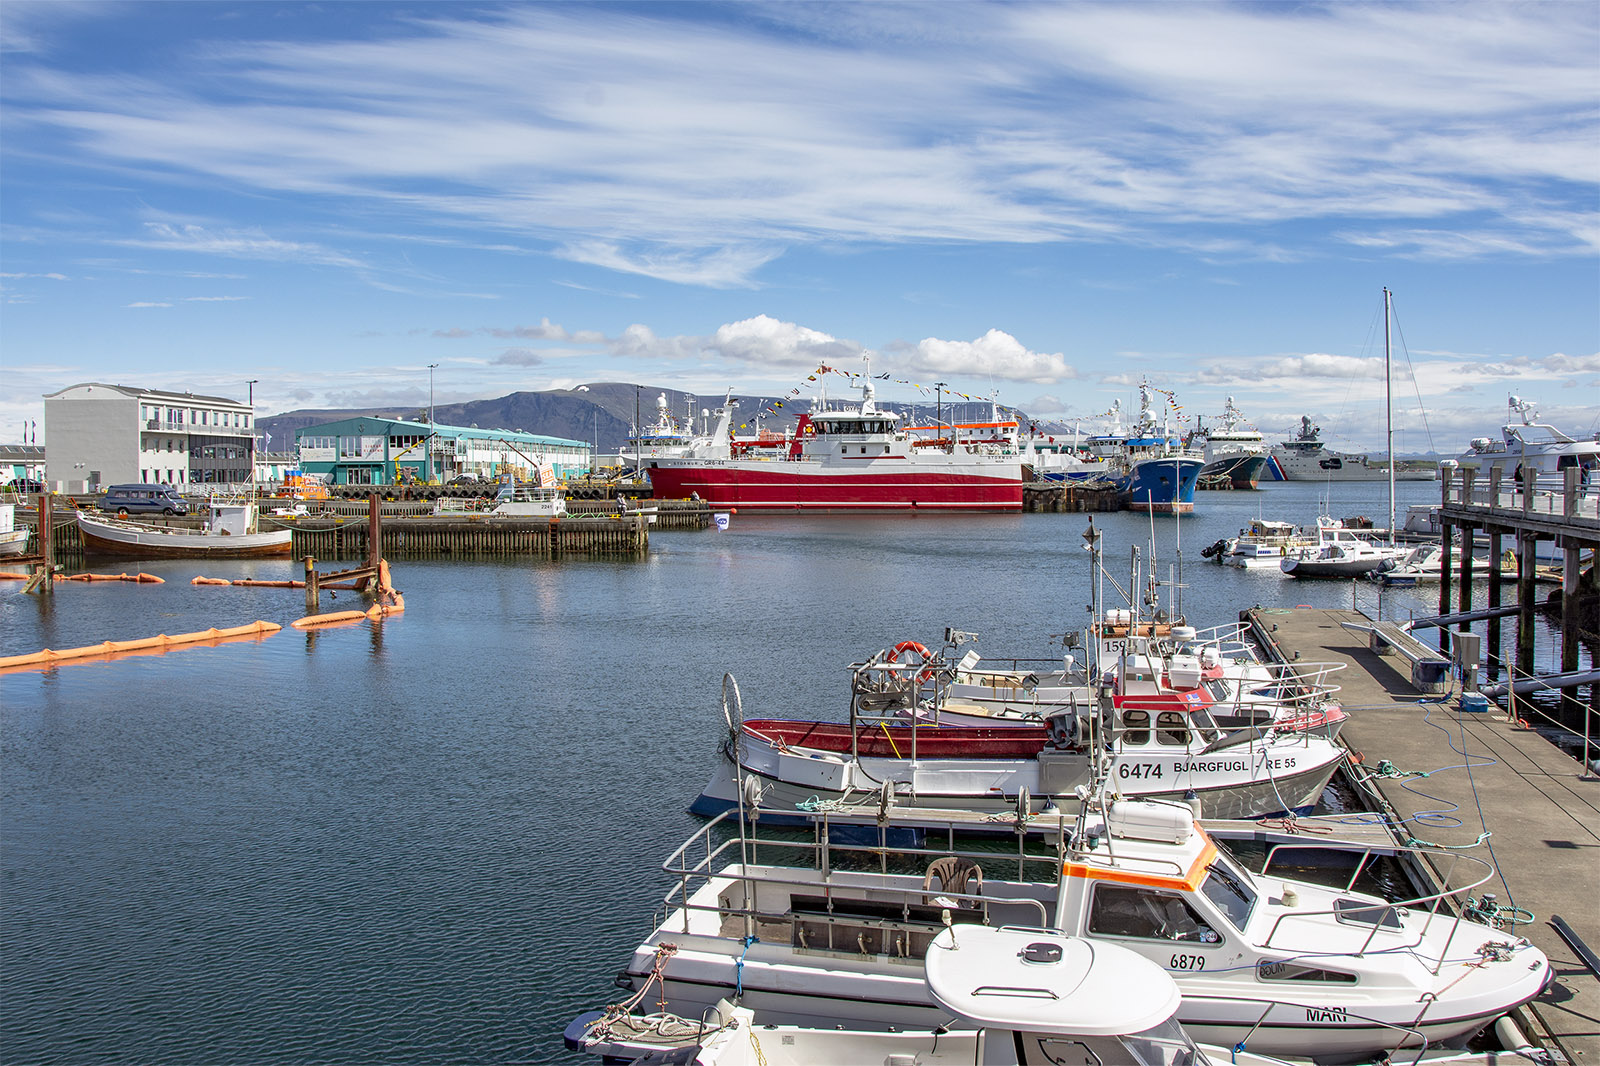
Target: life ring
(911,645)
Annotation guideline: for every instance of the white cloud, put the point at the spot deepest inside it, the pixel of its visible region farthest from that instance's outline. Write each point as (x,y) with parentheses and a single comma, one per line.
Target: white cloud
(706,148)
(716,268)
(149,303)
(1566,364)
(996,354)
(167,236)
(765,341)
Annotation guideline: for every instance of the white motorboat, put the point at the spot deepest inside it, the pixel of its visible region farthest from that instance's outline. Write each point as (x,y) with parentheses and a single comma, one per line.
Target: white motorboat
(1161,667)
(1020,996)
(1164,668)
(1339,552)
(826,933)
(1152,747)
(1263,544)
(230,531)
(521,500)
(1424,565)
(13,541)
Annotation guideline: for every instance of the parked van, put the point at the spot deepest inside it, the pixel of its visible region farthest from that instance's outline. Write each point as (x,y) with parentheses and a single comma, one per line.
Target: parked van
(143,499)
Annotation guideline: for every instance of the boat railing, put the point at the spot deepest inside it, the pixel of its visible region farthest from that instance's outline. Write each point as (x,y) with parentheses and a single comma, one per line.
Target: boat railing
(1387,915)
(1297,687)
(821,873)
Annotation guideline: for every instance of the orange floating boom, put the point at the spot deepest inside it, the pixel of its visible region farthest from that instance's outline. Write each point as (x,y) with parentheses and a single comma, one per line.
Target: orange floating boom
(143,579)
(335,618)
(111,648)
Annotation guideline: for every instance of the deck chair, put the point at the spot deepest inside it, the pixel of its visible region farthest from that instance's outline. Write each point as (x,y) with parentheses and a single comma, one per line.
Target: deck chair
(954,874)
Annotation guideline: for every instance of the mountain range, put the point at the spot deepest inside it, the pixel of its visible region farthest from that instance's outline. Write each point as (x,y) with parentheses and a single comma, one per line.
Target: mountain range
(601,413)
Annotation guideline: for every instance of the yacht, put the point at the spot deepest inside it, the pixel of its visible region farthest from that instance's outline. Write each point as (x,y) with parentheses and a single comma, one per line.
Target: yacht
(1529,448)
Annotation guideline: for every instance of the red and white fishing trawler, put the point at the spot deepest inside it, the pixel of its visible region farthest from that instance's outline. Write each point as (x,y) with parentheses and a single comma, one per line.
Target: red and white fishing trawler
(850,459)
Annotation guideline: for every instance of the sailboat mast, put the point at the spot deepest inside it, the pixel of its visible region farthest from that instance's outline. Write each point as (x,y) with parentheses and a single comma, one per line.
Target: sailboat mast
(1388,406)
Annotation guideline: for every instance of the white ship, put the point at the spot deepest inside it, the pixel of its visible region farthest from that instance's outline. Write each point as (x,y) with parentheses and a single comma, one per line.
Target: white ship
(1306,458)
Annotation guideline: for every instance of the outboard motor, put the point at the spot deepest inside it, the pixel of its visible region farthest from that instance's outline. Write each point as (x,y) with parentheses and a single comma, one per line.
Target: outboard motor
(1215,550)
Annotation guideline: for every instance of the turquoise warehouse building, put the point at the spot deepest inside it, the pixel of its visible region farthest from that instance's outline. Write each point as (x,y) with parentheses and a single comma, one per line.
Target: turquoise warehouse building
(384,451)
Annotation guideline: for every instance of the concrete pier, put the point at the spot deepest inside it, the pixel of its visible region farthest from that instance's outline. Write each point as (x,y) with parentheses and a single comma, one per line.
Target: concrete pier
(1485,773)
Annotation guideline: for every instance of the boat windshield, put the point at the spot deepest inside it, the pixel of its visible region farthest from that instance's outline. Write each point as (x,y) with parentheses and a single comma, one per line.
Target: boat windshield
(1165,1045)
(1230,889)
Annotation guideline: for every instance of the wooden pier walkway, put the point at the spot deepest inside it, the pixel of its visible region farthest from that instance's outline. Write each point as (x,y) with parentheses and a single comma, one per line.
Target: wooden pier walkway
(1484,774)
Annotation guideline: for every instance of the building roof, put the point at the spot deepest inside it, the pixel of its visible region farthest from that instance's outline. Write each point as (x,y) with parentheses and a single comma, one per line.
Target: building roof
(21,453)
(379,423)
(150,394)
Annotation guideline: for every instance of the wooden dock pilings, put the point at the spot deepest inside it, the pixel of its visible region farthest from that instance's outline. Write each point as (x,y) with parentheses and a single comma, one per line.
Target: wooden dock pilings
(1062,497)
(429,536)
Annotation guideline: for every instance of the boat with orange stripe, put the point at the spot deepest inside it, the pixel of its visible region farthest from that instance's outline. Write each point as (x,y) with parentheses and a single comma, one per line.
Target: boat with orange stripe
(830,929)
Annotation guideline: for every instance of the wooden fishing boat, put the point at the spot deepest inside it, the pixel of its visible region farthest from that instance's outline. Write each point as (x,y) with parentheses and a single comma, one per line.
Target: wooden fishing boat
(230,532)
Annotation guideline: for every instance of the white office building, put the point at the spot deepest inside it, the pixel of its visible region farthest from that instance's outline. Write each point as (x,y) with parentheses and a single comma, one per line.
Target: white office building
(101,435)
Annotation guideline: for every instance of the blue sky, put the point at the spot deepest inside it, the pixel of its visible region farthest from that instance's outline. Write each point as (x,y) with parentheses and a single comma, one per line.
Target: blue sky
(1044,201)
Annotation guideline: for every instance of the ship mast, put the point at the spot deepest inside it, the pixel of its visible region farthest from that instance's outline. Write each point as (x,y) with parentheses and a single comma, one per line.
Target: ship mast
(1388,406)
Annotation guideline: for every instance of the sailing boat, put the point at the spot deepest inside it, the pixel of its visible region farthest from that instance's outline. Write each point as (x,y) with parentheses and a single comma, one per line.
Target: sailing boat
(1342,552)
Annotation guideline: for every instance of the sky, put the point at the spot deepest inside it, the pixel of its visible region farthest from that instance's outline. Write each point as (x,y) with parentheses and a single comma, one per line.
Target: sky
(368,204)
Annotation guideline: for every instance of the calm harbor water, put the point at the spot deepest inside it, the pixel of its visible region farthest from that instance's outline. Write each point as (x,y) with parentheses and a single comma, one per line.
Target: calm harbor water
(434,839)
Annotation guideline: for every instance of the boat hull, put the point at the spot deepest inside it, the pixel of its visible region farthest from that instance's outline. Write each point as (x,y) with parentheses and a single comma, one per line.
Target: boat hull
(1329,568)
(13,542)
(1233,471)
(1164,486)
(785,990)
(126,540)
(1339,466)
(1247,780)
(779,486)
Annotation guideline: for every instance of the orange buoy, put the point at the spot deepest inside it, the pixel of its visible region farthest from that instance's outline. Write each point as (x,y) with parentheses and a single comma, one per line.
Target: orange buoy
(209,581)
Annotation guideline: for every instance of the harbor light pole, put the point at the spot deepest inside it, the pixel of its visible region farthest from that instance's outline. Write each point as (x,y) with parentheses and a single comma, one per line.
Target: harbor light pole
(431,368)
(251,453)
